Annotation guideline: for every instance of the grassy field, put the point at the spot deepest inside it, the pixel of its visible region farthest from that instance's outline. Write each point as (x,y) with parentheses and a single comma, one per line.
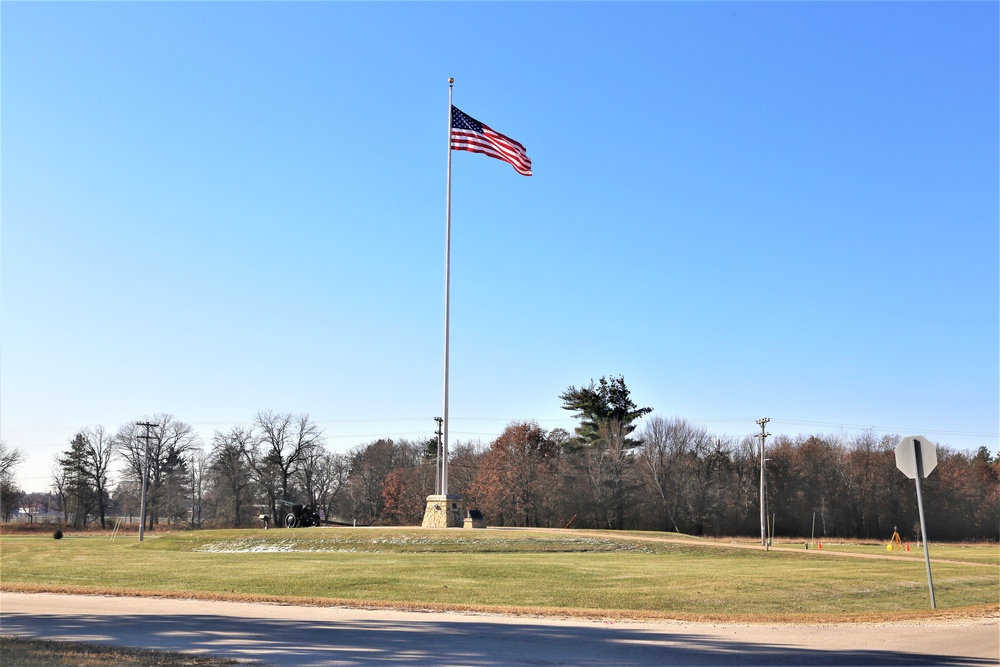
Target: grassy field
(939,552)
(562,572)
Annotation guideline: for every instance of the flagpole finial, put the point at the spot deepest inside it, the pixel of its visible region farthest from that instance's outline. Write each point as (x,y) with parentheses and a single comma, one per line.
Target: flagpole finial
(451,80)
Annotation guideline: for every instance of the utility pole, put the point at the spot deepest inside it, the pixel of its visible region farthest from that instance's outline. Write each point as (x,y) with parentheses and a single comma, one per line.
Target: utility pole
(145,476)
(437,465)
(763,505)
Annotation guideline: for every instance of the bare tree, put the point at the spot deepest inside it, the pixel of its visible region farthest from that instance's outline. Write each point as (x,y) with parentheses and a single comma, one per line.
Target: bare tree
(866,467)
(199,470)
(126,498)
(10,494)
(232,476)
(668,457)
(324,477)
(607,417)
(369,466)
(658,464)
(708,484)
(60,486)
(170,440)
(280,452)
(464,459)
(88,463)
(100,450)
(745,487)
(10,458)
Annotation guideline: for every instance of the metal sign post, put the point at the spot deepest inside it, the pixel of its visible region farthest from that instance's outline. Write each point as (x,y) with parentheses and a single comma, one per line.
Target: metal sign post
(916,457)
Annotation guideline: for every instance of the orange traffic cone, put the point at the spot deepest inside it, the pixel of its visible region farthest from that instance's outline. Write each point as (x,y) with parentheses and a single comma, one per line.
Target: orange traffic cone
(907,546)
(820,545)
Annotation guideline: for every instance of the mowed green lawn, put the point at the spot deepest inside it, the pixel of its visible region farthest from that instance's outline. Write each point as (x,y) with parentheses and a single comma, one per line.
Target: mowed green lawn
(547,572)
(986,554)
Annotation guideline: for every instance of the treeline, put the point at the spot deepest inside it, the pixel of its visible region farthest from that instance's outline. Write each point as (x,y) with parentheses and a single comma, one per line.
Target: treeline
(682,478)
(668,476)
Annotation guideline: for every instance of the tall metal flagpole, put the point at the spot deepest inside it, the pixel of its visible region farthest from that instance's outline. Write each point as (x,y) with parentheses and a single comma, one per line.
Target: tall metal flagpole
(447,300)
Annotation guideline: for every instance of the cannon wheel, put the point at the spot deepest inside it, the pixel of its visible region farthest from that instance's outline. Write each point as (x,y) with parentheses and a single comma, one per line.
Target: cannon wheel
(291,520)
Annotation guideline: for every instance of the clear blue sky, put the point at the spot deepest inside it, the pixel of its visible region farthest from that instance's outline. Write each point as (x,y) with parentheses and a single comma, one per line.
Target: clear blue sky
(779,209)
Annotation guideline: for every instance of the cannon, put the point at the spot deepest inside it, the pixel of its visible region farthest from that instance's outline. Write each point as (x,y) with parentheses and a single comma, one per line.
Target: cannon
(300,515)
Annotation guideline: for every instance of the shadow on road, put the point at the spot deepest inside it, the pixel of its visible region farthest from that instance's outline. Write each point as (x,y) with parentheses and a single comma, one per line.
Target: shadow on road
(433,643)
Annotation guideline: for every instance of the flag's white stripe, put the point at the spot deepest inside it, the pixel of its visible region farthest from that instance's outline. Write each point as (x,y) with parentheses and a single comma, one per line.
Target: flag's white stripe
(493,148)
(520,166)
(500,141)
(494,145)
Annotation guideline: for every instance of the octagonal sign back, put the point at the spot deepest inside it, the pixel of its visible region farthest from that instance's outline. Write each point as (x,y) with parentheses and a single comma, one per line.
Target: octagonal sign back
(906,457)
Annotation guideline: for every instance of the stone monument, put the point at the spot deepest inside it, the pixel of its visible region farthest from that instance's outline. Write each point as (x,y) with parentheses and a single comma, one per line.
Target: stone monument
(444,512)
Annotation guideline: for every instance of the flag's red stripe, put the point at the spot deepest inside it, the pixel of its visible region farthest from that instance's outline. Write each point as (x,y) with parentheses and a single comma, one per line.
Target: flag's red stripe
(493,144)
(493,150)
(491,132)
(520,167)
(506,148)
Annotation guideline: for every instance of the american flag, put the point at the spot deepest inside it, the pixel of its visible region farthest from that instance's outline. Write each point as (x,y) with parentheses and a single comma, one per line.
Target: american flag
(468,134)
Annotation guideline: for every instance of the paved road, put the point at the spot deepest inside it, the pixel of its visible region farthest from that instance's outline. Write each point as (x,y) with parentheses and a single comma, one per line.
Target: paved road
(322,636)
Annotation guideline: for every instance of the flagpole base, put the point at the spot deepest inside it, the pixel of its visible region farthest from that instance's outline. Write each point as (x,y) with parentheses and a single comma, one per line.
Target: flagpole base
(444,512)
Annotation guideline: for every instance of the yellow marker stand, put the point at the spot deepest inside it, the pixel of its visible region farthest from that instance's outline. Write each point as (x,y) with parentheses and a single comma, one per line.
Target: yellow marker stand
(894,542)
